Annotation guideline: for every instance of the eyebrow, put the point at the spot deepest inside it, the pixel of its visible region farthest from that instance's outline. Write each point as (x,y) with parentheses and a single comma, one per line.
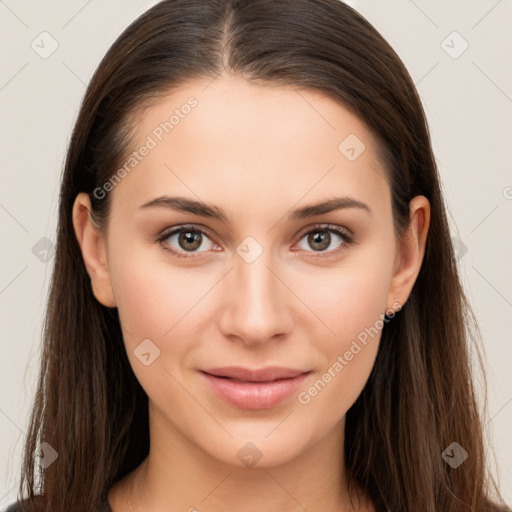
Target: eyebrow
(183,204)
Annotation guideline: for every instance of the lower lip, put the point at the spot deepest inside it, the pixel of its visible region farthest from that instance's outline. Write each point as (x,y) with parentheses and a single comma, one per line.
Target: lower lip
(254,395)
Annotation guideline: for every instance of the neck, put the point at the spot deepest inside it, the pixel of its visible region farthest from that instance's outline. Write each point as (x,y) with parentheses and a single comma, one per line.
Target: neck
(177,475)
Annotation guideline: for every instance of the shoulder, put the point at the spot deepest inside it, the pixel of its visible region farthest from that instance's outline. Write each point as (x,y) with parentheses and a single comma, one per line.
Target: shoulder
(15,507)
(38,505)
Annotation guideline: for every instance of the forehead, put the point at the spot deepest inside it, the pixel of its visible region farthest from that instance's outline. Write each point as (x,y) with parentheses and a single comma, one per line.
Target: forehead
(252,146)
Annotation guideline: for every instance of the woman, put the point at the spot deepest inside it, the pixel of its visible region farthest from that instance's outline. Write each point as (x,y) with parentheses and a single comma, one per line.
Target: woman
(255,303)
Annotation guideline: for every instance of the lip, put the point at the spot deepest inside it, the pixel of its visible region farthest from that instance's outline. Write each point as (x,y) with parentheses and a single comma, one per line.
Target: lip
(268,373)
(254,389)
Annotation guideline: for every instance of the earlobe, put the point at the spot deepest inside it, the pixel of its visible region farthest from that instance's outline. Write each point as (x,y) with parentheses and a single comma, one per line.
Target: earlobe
(93,247)
(410,253)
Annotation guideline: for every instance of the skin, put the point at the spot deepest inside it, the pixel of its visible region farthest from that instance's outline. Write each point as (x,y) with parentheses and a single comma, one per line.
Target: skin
(257,152)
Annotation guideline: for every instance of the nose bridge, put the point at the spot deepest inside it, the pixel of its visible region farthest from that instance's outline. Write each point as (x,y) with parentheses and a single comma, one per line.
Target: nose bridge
(257,309)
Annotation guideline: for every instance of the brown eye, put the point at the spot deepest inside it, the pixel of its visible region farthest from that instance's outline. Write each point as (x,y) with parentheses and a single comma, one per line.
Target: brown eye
(319,240)
(182,240)
(190,240)
(325,240)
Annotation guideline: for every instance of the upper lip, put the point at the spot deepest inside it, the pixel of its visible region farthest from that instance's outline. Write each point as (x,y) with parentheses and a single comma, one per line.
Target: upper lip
(259,375)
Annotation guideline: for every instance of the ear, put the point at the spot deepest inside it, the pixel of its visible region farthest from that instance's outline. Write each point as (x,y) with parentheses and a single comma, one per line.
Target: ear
(93,246)
(409,257)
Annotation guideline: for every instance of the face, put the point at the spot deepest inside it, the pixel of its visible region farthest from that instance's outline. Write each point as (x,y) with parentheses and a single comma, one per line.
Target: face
(258,278)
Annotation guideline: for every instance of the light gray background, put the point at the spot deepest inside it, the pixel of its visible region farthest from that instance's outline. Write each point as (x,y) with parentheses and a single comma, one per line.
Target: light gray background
(468,100)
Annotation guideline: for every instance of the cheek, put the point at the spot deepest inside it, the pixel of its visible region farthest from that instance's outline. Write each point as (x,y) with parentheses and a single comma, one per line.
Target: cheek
(153,301)
(352,303)
(347,300)
(152,297)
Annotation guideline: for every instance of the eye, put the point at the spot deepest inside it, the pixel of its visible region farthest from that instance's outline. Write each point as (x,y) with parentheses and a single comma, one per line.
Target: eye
(183,240)
(325,239)
(186,241)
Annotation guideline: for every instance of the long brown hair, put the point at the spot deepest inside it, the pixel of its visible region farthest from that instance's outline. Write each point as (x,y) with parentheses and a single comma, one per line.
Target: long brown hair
(420,396)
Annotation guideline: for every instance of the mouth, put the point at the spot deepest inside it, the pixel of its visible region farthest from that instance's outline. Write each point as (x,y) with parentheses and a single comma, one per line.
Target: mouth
(270,373)
(248,389)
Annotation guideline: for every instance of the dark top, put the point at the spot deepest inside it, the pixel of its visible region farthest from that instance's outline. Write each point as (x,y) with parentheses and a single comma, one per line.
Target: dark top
(16,507)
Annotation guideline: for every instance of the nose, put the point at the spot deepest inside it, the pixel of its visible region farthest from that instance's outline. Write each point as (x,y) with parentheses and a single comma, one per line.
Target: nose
(258,303)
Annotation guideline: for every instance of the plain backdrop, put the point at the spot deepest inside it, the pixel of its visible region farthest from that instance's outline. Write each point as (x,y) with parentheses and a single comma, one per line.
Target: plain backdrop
(459,56)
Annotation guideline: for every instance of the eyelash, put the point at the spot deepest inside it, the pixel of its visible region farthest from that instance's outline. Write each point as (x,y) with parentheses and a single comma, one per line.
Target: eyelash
(323,228)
